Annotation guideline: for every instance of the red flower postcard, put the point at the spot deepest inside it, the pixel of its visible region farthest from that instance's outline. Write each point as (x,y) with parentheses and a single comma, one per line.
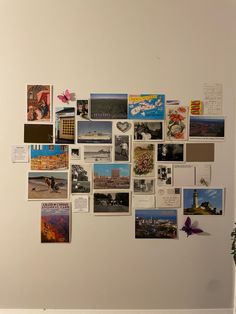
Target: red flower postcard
(176,123)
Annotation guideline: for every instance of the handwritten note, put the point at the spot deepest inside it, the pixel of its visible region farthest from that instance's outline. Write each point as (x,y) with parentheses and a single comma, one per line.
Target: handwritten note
(213,99)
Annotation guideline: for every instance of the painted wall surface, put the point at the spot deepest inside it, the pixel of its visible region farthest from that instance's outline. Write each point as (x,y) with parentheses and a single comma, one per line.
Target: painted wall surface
(126,46)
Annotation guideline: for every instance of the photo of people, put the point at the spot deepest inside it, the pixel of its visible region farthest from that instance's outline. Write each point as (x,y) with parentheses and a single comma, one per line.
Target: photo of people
(121,147)
(38,103)
(148,131)
(170,152)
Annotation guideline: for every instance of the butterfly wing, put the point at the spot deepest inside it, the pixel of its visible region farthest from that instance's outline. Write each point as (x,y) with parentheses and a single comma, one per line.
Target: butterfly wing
(197,230)
(187,227)
(62,98)
(67,95)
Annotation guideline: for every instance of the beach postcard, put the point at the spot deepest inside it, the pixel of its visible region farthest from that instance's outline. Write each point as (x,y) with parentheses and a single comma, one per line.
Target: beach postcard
(146,107)
(111,176)
(94,132)
(55,222)
(47,185)
(49,157)
(203,201)
(156,224)
(97,153)
(108,106)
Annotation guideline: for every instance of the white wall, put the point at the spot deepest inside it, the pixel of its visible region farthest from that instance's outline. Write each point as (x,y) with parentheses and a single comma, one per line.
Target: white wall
(129,46)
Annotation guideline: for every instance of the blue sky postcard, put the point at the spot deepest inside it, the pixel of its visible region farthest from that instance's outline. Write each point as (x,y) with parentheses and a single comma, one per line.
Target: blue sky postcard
(203,201)
(49,157)
(146,107)
(94,132)
(108,106)
(111,176)
(156,224)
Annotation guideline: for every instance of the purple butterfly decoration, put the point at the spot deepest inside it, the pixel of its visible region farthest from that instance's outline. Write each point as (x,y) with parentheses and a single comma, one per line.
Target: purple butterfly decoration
(189,229)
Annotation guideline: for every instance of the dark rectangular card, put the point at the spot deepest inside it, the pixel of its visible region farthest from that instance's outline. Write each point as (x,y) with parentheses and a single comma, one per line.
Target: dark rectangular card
(199,152)
(38,133)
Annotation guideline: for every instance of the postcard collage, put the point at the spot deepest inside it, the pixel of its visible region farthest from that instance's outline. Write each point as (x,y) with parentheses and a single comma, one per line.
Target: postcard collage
(119,154)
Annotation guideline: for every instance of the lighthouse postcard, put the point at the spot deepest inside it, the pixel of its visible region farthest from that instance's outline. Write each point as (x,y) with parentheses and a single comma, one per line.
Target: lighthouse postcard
(203,201)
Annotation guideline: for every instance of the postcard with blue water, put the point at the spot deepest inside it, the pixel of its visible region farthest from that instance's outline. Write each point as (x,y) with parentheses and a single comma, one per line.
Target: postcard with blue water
(146,107)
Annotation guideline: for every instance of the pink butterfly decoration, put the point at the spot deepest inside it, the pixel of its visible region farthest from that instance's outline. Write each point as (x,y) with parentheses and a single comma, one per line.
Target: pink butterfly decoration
(66,96)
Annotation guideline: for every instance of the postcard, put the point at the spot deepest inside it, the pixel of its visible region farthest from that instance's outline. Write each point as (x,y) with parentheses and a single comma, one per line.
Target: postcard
(82,109)
(80,178)
(111,203)
(170,152)
(143,159)
(200,152)
(206,128)
(19,153)
(143,186)
(38,133)
(143,201)
(176,123)
(196,107)
(47,185)
(75,152)
(146,107)
(168,197)
(203,175)
(203,201)
(164,175)
(94,132)
(39,103)
(108,106)
(80,203)
(184,175)
(65,125)
(55,222)
(122,148)
(49,157)
(213,99)
(124,127)
(156,224)
(98,153)
(111,176)
(148,131)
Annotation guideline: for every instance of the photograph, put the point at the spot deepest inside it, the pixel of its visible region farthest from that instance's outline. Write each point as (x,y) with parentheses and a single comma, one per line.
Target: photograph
(164,175)
(47,185)
(49,157)
(206,127)
(146,107)
(82,109)
(122,148)
(94,132)
(156,224)
(111,176)
(143,159)
(111,203)
(55,222)
(65,125)
(75,153)
(108,106)
(98,153)
(143,186)
(80,178)
(176,123)
(148,131)
(203,201)
(170,152)
(39,103)
(38,133)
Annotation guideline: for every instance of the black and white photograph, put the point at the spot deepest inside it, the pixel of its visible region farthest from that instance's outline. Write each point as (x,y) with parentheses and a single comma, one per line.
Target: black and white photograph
(148,131)
(122,147)
(143,186)
(170,152)
(111,203)
(164,175)
(75,153)
(80,178)
(98,153)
